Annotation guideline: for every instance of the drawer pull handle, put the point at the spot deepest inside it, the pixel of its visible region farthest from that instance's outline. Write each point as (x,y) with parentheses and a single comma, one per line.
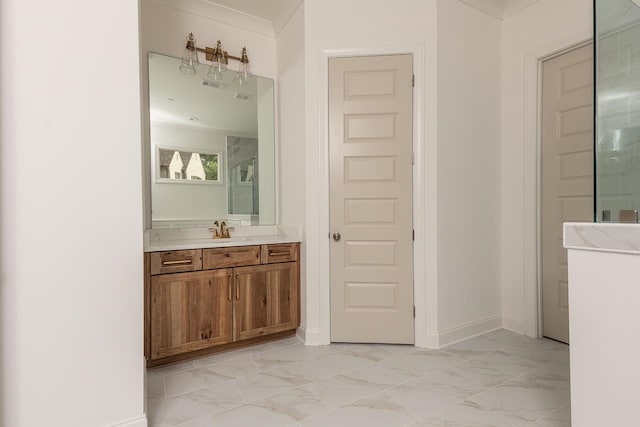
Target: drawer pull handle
(275,253)
(229,287)
(237,287)
(178,262)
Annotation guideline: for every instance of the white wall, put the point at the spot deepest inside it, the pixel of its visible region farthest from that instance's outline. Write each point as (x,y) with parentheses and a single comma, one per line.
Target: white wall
(163,30)
(469,82)
(291,152)
(538,30)
(71,244)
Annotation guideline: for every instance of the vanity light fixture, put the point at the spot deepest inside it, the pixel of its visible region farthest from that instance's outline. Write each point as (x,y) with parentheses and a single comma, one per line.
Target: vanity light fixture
(189,57)
(219,59)
(242,76)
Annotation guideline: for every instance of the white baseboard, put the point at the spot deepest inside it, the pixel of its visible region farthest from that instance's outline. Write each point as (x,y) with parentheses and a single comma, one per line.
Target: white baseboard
(512,324)
(469,330)
(136,422)
(432,340)
(309,336)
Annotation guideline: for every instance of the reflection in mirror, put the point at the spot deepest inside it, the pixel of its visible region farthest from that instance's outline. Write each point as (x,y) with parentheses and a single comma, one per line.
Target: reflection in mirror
(179,164)
(242,166)
(212,147)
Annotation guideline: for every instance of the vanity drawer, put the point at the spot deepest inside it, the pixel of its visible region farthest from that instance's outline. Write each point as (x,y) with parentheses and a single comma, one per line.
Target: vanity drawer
(231,257)
(176,261)
(285,252)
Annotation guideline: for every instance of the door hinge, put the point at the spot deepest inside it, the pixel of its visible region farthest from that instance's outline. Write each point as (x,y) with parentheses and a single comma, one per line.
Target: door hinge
(413,80)
(414,311)
(413,158)
(413,234)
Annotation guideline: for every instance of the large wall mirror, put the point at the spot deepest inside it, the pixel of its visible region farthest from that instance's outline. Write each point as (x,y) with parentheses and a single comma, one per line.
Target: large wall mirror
(212,147)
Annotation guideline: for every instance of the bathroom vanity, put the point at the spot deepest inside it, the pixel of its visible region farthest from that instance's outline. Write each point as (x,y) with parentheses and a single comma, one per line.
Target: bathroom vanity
(211,155)
(218,294)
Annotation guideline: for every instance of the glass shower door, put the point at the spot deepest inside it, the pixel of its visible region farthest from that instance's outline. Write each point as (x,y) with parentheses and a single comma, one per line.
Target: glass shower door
(617,110)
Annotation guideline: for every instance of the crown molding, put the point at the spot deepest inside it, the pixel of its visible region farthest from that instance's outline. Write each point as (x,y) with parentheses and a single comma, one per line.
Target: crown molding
(222,14)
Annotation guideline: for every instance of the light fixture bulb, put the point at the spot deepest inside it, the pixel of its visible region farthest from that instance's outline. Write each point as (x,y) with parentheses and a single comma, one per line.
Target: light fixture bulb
(189,62)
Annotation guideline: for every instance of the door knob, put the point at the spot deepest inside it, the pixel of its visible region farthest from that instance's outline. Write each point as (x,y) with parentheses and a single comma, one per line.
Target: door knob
(336,236)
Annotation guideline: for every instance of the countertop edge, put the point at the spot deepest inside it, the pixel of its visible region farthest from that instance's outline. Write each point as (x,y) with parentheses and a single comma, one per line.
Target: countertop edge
(218,244)
(602,237)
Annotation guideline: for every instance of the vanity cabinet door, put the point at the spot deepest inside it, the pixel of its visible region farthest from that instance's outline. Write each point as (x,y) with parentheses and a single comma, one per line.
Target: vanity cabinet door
(266,299)
(190,311)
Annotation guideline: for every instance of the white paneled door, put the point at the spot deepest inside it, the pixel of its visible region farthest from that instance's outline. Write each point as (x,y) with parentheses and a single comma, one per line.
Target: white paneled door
(371,221)
(567,174)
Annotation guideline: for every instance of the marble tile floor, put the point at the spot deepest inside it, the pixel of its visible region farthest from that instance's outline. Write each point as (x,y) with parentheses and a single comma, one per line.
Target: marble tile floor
(498,379)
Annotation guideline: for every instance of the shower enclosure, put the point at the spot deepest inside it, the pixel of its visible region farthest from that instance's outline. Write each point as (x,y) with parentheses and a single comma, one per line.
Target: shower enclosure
(617,101)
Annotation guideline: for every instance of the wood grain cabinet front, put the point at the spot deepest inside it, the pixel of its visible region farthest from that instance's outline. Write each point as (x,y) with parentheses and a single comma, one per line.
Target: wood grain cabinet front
(231,257)
(281,252)
(266,299)
(227,298)
(176,261)
(190,311)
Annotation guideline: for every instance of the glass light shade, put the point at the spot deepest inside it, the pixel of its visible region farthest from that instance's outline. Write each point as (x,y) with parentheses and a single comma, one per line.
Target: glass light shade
(216,70)
(242,76)
(189,62)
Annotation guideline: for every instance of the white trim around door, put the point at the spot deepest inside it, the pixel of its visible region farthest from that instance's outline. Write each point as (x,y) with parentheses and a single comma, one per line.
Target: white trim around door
(532,322)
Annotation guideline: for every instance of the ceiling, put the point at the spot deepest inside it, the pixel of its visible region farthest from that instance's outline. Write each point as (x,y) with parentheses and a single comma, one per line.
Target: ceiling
(501,9)
(277,12)
(181,99)
(269,17)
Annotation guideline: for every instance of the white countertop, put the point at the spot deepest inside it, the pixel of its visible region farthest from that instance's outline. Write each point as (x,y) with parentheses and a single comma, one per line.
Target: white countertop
(169,239)
(602,237)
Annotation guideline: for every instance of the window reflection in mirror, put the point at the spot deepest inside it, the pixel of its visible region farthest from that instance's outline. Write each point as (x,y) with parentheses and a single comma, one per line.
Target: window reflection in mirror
(211,147)
(174,164)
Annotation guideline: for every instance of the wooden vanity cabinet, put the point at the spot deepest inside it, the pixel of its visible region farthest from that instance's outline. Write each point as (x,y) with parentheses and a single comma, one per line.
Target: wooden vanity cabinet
(239,296)
(266,299)
(190,311)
